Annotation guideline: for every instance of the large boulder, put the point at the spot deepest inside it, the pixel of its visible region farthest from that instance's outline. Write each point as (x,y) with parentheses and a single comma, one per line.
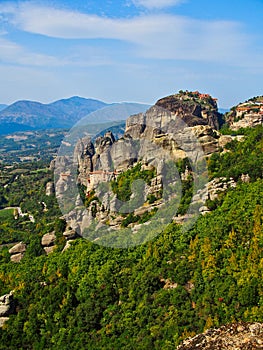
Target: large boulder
(17,252)
(48,239)
(17,257)
(18,248)
(50,249)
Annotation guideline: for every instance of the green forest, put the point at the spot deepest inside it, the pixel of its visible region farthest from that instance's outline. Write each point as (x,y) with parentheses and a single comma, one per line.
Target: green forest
(149,297)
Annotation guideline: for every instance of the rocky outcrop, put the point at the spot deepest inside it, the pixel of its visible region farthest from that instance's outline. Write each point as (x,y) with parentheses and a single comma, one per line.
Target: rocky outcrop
(48,239)
(225,139)
(248,121)
(193,108)
(70,234)
(17,252)
(212,191)
(247,114)
(215,187)
(50,190)
(208,138)
(162,130)
(18,248)
(48,242)
(7,304)
(236,336)
(84,150)
(49,250)
(169,126)
(7,307)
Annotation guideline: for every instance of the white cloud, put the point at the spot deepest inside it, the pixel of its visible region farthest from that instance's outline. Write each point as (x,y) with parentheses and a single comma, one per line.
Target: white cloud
(156,4)
(13,53)
(153,36)
(10,52)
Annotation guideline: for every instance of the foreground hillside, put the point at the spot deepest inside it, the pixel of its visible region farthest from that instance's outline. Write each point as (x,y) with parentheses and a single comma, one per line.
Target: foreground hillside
(151,296)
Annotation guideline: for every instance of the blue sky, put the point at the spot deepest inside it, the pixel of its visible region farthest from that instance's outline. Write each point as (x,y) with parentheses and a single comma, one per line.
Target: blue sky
(130,50)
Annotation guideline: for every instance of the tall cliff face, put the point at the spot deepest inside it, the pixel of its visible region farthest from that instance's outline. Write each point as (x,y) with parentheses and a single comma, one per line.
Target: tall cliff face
(169,125)
(172,119)
(193,108)
(176,127)
(175,112)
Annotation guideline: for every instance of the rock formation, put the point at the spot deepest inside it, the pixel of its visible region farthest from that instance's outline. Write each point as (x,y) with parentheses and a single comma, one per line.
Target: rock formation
(176,127)
(237,336)
(247,114)
(193,108)
(50,190)
(184,125)
(17,252)
(7,307)
(48,242)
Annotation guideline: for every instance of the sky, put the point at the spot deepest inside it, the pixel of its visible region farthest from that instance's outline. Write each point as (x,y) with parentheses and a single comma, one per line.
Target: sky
(130,50)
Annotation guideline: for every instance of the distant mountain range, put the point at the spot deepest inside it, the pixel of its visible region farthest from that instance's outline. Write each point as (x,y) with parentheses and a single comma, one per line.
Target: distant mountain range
(2,106)
(28,115)
(65,113)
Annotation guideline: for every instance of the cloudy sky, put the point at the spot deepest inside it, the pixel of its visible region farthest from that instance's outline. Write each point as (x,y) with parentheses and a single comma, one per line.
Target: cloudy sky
(130,50)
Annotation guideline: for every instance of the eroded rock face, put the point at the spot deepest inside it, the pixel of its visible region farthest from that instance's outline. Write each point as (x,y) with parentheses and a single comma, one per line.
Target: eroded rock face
(207,137)
(247,114)
(237,336)
(177,127)
(249,121)
(84,150)
(192,112)
(160,129)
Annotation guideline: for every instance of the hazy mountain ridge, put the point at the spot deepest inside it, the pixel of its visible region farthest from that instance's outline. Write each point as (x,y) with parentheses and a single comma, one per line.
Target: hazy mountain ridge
(2,106)
(35,115)
(32,115)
